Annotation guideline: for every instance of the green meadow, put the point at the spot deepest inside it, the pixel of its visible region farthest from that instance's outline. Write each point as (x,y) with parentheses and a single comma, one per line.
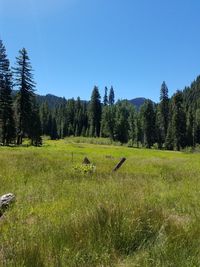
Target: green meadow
(65,214)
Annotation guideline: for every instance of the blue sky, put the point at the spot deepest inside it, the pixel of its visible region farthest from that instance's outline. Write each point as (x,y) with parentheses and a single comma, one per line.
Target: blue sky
(131,44)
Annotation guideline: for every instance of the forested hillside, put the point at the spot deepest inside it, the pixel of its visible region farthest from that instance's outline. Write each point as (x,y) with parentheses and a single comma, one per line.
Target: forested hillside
(53,101)
(138,102)
(173,123)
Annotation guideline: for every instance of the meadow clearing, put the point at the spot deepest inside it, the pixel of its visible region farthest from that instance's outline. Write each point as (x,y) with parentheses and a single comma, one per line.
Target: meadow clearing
(145,214)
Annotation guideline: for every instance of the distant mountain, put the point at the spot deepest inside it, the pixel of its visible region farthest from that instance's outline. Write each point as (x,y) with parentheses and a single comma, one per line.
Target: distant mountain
(51,100)
(138,102)
(54,101)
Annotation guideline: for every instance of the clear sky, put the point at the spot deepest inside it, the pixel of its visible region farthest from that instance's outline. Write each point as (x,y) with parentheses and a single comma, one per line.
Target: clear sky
(133,45)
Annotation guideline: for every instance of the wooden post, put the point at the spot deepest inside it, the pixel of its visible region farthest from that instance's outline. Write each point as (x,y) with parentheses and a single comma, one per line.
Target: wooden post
(119,164)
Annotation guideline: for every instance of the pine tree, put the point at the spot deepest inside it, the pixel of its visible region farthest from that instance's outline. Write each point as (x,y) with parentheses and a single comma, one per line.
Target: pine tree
(159,136)
(25,86)
(111,98)
(79,117)
(25,96)
(108,122)
(60,119)
(178,121)
(190,128)
(36,131)
(163,118)
(52,126)
(138,134)
(95,113)
(132,125)
(54,133)
(122,123)
(44,117)
(149,123)
(197,126)
(7,125)
(105,98)
(85,119)
(169,140)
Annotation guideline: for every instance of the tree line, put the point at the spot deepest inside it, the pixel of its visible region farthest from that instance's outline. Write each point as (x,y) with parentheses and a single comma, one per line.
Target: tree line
(173,123)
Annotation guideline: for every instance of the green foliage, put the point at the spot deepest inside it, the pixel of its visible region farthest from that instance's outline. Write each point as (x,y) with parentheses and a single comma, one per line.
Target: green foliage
(108,122)
(95,113)
(163,118)
(105,98)
(28,121)
(148,114)
(111,97)
(84,168)
(25,85)
(36,139)
(7,124)
(124,124)
(178,121)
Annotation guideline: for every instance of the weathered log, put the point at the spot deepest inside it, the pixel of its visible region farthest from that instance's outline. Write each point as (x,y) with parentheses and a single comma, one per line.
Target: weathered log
(119,164)
(5,202)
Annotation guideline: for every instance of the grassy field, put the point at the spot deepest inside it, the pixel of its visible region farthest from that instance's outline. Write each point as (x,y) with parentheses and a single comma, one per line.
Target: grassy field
(146,214)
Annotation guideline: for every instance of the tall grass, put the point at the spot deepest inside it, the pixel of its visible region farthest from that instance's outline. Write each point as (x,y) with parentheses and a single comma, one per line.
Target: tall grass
(146,214)
(92,140)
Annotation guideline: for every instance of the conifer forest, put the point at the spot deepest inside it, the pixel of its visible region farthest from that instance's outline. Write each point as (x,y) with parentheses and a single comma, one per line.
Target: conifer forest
(171,124)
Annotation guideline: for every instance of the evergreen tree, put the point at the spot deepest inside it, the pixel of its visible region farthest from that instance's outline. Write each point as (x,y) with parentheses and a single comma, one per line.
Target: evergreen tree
(149,123)
(163,118)
(132,125)
(190,128)
(85,119)
(108,122)
(138,134)
(7,125)
(54,133)
(178,121)
(122,121)
(36,131)
(79,117)
(60,119)
(49,125)
(197,126)
(105,98)
(111,98)
(44,117)
(104,132)
(70,117)
(95,113)
(159,136)
(52,128)
(169,140)
(25,96)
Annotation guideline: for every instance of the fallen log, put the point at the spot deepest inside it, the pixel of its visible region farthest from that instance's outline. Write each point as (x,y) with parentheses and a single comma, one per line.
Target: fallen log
(5,202)
(119,164)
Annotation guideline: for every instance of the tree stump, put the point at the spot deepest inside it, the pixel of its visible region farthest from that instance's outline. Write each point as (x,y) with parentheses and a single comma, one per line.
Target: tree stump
(86,161)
